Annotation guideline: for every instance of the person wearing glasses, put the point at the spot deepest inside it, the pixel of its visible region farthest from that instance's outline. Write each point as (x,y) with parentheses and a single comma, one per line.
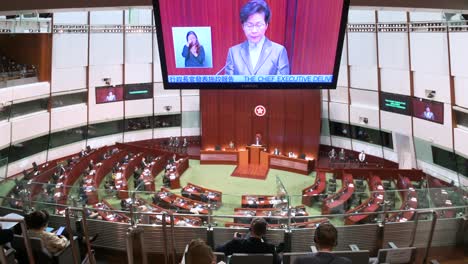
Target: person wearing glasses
(257,55)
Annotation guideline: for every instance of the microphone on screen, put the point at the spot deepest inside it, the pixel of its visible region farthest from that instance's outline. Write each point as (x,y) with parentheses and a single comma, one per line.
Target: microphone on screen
(221,70)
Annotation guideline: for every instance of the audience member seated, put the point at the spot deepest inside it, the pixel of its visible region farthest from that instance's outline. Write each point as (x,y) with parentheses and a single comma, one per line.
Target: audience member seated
(10,70)
(325,238)
(251,243)
(93,214)
(14,202)
(6,236)
(199,253)
(37,222)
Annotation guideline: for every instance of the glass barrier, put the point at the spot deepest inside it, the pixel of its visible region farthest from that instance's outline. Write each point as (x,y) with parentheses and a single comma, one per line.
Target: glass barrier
(3,167)
(348,203)
(20,109)
(69,99)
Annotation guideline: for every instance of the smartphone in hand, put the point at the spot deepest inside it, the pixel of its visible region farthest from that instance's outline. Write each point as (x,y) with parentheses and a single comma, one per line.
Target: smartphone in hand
(60,231)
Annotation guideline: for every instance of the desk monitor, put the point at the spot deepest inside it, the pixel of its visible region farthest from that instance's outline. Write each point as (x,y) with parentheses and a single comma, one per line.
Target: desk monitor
(428,110)
(206,44)
(109,94)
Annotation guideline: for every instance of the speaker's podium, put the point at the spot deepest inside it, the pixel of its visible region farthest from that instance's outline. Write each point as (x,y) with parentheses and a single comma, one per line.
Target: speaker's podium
(254,153)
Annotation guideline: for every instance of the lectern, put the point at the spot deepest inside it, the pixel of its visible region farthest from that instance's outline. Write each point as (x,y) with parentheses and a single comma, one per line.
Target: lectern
(254,153)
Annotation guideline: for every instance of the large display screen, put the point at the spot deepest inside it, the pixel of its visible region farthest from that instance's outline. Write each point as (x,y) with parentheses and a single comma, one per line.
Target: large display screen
(395,103)
(109,94)
(250,43)
(428,110)
(138,91)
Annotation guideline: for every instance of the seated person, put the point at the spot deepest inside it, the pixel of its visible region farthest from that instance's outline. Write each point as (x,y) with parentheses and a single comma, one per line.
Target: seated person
(6,235)
(252,243)
(92,214)
(166,180)
(231,144)
(276,151)
(37,222)
(325,239)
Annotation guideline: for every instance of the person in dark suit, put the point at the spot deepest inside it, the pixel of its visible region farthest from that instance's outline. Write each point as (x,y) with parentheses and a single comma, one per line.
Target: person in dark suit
(325,238)
(257,55)
(252,243)
(6,235)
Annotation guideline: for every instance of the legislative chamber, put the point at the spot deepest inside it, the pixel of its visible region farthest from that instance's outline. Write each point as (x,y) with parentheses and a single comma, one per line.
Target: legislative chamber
(137,129)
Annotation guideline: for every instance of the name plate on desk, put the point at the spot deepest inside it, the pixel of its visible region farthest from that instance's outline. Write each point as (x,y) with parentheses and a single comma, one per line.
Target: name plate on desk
(293,164)
(218,157)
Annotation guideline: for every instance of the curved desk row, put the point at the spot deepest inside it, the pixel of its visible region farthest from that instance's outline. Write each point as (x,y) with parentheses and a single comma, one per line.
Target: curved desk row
(310,193)
(171,200)
(338,200)
(409,201)
(203,194)
(370,205)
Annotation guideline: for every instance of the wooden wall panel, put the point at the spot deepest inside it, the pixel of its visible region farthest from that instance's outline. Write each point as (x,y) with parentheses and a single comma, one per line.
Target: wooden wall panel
(292,122)
(276,122)
(260,123)
(310,144)
(226,118)
(33,49)
(243,119)
(209,125)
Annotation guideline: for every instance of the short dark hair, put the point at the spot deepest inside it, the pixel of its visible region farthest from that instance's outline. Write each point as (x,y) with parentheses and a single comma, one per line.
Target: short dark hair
(258,226)
(253,7)
(37,219)
(326,236)
(191,33)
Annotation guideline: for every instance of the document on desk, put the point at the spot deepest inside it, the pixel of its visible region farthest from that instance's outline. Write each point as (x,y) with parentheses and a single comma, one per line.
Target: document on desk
(8,225)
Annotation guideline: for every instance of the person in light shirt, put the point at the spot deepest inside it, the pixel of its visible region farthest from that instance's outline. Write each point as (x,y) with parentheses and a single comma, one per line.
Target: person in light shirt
(257,55)
(110,97)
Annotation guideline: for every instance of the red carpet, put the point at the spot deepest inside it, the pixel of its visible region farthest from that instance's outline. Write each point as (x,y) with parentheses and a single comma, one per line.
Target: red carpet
(251,171)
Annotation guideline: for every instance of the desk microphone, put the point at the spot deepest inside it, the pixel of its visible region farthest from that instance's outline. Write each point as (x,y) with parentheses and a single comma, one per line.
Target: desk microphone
(221,70)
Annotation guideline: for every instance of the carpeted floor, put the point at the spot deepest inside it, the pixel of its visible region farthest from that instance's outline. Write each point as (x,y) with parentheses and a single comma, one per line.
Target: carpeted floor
(218,177)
